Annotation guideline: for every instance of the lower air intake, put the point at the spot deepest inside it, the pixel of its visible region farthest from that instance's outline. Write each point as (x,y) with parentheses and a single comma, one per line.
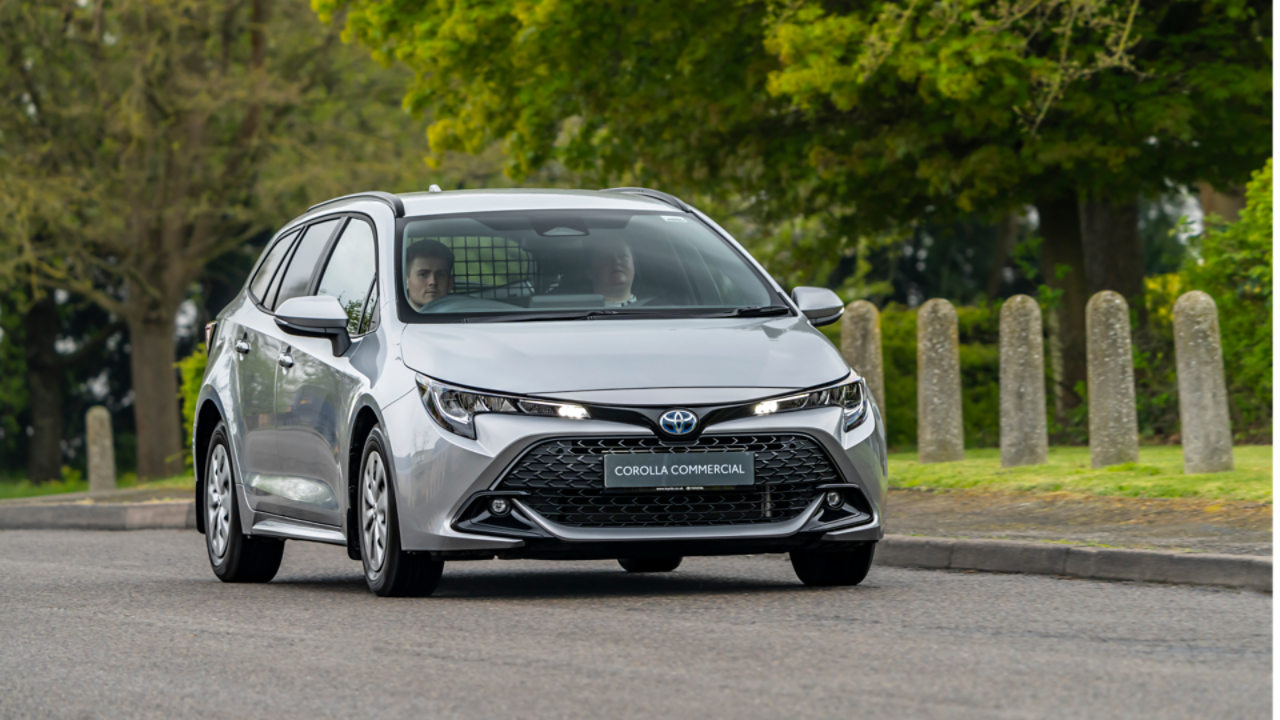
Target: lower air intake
(564,482)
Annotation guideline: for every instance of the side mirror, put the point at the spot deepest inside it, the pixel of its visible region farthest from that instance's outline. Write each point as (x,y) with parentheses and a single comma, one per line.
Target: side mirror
(820,305)
(316,316)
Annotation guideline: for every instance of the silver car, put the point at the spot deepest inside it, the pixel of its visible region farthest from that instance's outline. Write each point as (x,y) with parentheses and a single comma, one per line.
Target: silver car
(551,374)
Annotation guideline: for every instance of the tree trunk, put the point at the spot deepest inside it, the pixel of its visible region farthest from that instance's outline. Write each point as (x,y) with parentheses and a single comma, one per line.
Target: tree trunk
(1062,262)
(44,380)
(1006,240)
(1112,248)
(155,395)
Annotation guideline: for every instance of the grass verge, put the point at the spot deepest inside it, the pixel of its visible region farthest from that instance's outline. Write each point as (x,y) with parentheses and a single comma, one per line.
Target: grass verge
(13,488)
(1157,474)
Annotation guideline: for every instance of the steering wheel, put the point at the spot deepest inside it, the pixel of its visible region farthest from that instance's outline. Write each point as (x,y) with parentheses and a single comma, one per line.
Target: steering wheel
(463,303)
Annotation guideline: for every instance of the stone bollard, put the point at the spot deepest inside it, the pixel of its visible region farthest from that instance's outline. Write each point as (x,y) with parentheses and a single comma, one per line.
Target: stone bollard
(941,417)
(860,345)
(102,453)
(1113,411)
(1024,432)
(1202,386)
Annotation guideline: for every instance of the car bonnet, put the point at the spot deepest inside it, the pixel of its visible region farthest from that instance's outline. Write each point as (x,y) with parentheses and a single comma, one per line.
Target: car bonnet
(547,358)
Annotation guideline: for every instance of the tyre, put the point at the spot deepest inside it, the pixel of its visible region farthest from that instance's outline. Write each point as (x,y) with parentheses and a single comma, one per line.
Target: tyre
(650,565)
(389,570)
(828,569)
(235,557)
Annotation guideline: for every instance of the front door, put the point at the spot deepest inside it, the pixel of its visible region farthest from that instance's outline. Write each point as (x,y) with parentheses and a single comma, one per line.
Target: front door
(254,337)
(273,489)
(315,390)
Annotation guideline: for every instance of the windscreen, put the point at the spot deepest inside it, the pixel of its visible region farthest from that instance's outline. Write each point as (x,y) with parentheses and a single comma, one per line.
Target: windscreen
(523,265)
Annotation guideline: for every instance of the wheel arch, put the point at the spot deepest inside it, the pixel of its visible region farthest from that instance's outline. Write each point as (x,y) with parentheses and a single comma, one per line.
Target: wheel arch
(207,418)
(366,419)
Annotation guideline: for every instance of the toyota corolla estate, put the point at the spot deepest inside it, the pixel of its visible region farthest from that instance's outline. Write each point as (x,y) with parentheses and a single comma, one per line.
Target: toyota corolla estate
(466,375)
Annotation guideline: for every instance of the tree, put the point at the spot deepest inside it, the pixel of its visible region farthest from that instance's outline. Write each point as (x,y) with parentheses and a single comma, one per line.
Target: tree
(1076,106)
(142,138)
(867,115)
(1233,263)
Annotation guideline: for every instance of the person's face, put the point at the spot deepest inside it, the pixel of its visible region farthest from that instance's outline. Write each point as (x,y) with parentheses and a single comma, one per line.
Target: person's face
(428,280)
(612,270)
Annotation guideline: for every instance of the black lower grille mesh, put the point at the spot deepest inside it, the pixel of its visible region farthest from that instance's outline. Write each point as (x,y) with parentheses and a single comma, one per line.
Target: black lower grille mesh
(564,480)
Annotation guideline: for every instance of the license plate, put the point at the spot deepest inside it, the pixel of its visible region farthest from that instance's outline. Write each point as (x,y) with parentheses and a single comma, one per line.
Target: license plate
(662,472)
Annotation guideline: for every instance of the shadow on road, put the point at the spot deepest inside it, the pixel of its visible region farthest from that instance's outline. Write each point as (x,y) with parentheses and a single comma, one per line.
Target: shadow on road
(463,581)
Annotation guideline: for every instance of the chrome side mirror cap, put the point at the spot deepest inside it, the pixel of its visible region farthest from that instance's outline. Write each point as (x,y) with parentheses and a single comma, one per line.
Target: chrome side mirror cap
(316,316)
(820,305)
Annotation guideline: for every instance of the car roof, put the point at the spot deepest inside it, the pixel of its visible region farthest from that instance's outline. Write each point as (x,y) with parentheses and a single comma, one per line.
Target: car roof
(417,204)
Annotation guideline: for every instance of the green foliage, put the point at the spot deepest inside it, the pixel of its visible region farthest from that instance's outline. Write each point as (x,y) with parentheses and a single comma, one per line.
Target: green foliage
(1155,369)
(1232,263)
(995,100)
(13,380)
(1158,474)
(192,369)
(74,481)
(825,126)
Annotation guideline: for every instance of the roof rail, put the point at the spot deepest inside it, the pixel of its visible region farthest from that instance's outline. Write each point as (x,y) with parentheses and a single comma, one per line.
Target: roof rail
(655,194)
(396,205)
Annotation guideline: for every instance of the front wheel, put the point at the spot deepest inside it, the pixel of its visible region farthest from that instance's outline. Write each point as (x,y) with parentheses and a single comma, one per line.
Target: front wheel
(829,569)
(235,557)
(650,564)
(389,570)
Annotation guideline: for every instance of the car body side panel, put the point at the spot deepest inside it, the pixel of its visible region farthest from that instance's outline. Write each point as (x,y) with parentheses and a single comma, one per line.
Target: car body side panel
(253,390)
(313,399)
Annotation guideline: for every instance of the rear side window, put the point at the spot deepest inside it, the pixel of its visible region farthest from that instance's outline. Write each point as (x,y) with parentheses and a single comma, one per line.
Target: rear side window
(258,288)
(349,272)
(303,263)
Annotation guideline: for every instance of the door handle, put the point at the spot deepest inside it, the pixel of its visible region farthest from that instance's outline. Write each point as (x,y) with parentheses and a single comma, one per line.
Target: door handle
(243,347)
(285,360)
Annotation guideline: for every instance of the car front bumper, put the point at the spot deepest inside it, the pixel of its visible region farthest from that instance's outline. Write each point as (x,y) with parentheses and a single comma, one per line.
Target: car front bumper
(442,480)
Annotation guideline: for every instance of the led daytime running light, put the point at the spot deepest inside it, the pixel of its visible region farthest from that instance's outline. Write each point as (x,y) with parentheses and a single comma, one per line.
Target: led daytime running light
(851,396)
(455,409)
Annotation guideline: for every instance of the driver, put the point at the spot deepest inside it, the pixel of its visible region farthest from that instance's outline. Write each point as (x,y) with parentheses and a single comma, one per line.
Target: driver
(612,269)
(428,272)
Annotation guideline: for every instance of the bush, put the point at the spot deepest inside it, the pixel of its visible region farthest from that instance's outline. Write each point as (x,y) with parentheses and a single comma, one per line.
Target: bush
(192,369)
(1232,262)
(1155,370)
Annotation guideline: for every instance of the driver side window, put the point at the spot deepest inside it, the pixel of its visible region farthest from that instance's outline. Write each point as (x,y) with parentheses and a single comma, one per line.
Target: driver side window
(349,274)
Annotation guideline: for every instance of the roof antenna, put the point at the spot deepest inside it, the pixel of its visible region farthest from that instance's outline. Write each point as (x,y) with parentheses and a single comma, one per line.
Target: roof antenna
(434,188)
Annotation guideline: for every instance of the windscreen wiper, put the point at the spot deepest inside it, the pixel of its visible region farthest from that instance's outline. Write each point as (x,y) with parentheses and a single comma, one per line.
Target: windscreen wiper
(536,317)
(753,311)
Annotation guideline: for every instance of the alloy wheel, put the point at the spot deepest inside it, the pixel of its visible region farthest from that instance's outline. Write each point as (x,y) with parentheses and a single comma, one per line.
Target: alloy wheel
(374,523)
(217,501)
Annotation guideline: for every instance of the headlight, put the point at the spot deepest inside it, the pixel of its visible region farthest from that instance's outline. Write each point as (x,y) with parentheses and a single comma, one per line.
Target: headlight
(851,396)
(455,409)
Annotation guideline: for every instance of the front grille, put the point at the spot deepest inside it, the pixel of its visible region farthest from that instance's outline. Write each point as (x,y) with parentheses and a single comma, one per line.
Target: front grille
(564,482)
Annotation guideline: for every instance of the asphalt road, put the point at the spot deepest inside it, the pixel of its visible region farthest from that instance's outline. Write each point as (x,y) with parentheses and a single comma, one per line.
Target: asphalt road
(134,624)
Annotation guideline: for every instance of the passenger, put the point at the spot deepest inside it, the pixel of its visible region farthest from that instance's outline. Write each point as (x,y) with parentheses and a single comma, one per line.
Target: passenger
(612,269)
(428,272)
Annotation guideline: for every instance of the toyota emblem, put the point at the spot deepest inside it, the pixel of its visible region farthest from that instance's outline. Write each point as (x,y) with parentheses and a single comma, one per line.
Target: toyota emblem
(678,422)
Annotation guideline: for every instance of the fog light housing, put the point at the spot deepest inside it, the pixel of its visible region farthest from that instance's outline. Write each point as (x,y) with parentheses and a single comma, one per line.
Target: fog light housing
(499,506)
(833,499)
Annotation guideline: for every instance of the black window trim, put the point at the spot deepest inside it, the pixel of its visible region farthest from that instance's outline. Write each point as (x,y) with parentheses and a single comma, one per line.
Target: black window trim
(299,231)
(290,236)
